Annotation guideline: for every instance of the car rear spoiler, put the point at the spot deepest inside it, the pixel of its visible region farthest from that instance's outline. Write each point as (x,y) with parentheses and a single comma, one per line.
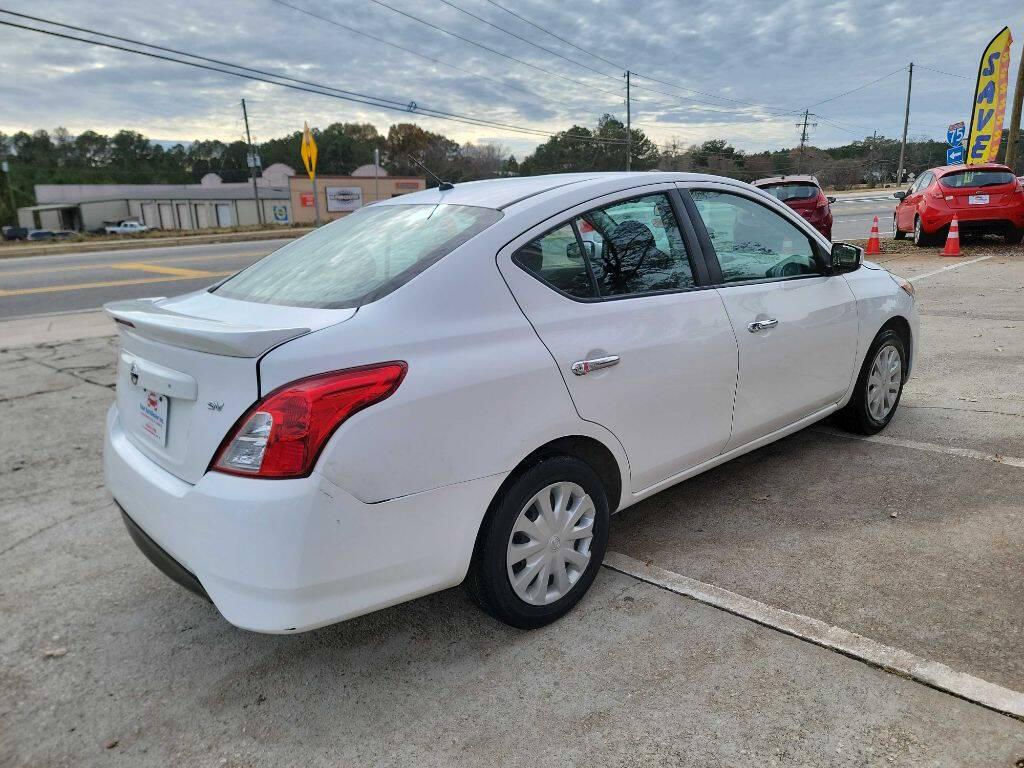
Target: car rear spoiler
(144,318)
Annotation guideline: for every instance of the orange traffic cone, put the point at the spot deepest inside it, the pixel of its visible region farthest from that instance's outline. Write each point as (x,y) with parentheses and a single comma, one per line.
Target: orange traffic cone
(874,246)
(953,240)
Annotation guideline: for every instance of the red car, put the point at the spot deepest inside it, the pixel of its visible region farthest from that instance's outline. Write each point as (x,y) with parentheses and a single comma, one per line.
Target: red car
(803,194)
(985,198)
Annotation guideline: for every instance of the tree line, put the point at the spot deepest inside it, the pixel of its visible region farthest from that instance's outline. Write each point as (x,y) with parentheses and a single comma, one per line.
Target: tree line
(128,157)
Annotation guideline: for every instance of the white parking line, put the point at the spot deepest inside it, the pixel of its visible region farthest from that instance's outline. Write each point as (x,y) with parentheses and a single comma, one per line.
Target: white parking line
(895,660)
(955,265)
(949,450)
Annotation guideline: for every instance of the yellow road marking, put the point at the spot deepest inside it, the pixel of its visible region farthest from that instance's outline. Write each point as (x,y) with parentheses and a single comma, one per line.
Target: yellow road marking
(139,266)
(103,284)
(108,265)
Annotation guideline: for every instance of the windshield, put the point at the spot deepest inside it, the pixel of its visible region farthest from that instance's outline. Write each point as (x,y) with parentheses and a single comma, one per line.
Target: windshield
(359,258)
(786,192)
(989,178)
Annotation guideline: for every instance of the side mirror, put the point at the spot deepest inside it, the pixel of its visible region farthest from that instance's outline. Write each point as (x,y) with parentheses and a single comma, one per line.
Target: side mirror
(830,199)
(572,250)
(899,195)
(845,258)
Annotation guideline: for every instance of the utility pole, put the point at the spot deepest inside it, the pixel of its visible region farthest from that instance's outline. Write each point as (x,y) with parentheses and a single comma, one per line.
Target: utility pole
(629,128)
(1018,102)
(252,166)
(6,168)
(803,139)
(906,123)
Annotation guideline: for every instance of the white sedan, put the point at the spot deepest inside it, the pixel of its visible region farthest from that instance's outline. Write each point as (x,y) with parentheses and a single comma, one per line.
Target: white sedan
(456,386)
(126,228)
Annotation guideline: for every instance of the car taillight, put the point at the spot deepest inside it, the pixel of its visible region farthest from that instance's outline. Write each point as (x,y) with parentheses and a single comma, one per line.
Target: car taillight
(937,193)
(283,434)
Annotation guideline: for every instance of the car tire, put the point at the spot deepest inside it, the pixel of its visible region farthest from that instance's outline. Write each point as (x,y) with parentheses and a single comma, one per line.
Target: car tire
(516,520)
(897,233)
(1013,236)
(873,403)
(921,238)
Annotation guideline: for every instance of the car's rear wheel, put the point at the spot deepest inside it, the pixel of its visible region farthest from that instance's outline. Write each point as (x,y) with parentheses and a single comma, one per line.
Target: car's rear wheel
(879,385)
(543,544)
(897,233)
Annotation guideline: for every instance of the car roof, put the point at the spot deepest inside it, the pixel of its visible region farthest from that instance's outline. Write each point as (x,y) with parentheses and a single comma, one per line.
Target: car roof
(502,193)
(792,179)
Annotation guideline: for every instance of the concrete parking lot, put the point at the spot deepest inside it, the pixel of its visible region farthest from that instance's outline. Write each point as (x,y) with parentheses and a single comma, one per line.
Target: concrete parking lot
(912,539)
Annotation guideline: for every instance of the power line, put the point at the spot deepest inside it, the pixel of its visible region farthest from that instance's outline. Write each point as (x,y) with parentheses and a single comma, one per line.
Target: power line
(491,50)
(858,88)
(523,39)
(942,72)
(374,101)
(622,66)
(431,59)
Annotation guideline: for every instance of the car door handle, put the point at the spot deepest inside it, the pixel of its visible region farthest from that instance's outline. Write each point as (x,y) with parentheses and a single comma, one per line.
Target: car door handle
(762,325)
(583,367)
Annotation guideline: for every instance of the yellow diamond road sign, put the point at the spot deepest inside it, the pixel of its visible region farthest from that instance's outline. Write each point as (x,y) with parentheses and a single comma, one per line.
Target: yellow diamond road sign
(308,151)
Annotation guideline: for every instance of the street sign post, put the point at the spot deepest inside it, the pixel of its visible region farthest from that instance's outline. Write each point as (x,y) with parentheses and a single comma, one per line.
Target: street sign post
(955,138)
(308,152)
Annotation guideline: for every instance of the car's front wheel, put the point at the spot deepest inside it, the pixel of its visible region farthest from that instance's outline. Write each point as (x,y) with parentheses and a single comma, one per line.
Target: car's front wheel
(897,233)
(879,385)
(543,544)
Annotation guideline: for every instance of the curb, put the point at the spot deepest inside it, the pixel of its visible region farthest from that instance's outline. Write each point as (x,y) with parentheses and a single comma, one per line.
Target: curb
(15,251)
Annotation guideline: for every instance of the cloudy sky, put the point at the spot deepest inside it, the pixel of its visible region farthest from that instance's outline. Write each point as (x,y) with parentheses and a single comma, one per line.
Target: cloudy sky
(743,70)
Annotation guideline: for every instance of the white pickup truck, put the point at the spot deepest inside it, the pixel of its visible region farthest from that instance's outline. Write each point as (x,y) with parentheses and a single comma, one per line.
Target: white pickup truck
(126,227)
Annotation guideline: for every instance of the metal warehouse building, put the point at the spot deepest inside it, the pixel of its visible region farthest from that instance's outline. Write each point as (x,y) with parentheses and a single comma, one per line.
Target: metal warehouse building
(211,203)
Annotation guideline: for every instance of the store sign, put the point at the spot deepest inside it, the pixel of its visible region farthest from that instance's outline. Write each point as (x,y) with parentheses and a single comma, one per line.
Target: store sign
(306,199)
(407,185)
(280,213)
(344,198)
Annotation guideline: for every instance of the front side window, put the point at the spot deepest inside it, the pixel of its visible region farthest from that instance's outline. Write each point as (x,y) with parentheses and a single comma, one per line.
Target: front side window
(359,258)
(753,242)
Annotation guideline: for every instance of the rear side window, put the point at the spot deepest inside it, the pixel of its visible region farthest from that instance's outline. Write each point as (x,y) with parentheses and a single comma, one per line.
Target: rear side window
(633,247)
(989,178)
(555,259)
(787,192)
(359,258)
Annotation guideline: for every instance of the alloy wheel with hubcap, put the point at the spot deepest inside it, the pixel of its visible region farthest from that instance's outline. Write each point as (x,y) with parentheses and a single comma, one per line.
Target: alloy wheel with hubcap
(549,548)
(919,236)
(884,379)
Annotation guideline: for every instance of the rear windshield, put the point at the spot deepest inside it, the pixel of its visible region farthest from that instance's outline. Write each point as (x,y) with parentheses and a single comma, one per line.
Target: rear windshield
(961,179)
(791,191)
(359,258)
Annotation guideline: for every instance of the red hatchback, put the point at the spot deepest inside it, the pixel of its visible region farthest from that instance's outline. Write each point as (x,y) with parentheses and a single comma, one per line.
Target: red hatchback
(985,198)
(803,194)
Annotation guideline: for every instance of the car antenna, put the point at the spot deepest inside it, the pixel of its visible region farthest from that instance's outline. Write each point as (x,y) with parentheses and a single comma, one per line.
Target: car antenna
(442,185)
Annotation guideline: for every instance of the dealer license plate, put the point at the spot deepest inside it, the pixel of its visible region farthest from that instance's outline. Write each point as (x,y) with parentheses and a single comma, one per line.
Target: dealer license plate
(153,416)
(978,199)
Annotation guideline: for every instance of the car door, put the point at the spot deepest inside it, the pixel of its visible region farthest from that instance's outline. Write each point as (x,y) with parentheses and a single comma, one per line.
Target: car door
(643,344)
(796,326)
(908,206)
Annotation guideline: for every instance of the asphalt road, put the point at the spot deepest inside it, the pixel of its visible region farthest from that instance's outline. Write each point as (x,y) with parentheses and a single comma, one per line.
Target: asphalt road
(37,285)
(852,215)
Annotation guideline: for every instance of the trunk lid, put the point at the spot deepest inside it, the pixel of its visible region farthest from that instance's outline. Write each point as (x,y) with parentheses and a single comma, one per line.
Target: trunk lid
(188,368)
(997,196)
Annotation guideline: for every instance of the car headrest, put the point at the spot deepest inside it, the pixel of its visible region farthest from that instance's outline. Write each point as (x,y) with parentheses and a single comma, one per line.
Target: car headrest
(632,238)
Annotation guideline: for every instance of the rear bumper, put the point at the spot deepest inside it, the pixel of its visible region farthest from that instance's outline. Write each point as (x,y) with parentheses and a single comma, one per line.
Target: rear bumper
(982,219)
(292,555)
